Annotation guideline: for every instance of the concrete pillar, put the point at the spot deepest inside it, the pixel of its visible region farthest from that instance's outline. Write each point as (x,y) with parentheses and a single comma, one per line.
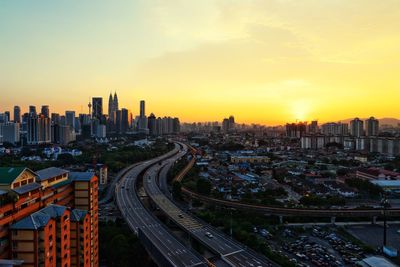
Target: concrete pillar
(374,219)
(333,219)
(280,219)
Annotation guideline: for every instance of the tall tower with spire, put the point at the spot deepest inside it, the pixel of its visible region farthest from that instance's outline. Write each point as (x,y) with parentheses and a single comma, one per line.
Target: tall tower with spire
(111,107)
(116,106)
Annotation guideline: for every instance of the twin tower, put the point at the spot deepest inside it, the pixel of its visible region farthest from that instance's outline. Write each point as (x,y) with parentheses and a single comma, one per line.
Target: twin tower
(112,104)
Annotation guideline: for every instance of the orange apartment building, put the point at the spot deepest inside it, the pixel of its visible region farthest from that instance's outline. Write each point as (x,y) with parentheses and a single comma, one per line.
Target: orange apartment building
(48,218)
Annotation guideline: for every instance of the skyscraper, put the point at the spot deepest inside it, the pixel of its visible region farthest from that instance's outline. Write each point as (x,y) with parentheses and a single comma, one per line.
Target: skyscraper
(70,119)
(124,120)
(142,108)
(45,111)
(17,114)
(357,127)
(142,121)
(151,123)
(116,105)
(97,105)
(371,127)
(111,108)
(32,110)
(8,115)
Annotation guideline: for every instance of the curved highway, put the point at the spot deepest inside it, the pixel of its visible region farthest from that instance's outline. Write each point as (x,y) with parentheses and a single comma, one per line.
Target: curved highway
(164,248)
(232,252)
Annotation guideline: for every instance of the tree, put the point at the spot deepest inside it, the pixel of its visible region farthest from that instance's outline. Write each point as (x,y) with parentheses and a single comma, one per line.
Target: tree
(177,190)
(203,186)
(66,159)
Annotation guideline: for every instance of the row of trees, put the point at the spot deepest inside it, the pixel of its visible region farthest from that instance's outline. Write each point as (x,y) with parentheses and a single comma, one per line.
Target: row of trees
(119,247)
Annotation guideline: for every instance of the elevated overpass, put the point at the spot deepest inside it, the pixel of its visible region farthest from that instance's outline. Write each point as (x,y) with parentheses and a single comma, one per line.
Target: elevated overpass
(232,252)
(162,246)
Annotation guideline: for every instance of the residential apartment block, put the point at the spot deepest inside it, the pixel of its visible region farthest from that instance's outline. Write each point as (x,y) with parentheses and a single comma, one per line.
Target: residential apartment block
(49,217)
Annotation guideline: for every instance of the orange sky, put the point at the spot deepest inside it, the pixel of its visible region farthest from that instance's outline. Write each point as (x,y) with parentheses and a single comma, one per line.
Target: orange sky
(263,61)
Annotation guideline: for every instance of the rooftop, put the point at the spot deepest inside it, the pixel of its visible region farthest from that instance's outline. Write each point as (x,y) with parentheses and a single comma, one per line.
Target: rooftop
(34,221)
(26,188)
(54,211)
(81,176)
(376,261)
(49,173)
(78,215)
(9,174)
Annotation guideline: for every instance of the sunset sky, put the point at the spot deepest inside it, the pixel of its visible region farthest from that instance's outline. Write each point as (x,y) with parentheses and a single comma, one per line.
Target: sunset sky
(267,61)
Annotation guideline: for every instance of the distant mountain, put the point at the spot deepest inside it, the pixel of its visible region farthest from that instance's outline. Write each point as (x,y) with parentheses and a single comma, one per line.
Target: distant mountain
(383,121)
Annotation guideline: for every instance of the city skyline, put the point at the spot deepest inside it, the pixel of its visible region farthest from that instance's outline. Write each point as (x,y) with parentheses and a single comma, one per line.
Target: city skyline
(265,62)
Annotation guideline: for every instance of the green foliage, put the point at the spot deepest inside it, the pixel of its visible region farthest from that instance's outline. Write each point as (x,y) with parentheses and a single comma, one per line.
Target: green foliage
(203,186)
(313,200)
(364,186)
(230,146)
(176,190)
(120,247)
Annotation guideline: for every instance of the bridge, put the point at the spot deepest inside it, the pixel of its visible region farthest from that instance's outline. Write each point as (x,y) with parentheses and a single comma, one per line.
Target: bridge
(230,251)
(162,246)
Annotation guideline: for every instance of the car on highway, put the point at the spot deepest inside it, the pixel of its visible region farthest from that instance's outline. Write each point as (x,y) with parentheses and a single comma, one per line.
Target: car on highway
(209,235)
(180,215)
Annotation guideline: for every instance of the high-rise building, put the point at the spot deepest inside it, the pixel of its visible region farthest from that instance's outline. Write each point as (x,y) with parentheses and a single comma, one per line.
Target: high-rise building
(55,118)
(116,104)
(10,132)
(45,111)
(296,130)
(142,108)
(357,127)
(371,127)
(117,121)
(3,118)
(8,115)
(38,130)
(124,120)
(60,229)
(231,122)
(151,123)
(97,108)
(32,110)
(313,127)
(111,108)
(17,114)
(70,119)
(333,128)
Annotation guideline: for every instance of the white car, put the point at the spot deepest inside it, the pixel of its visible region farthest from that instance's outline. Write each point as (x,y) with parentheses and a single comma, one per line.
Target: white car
(209,235)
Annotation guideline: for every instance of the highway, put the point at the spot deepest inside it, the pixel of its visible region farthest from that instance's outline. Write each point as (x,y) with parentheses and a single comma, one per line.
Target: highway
(232,252)
(164,248)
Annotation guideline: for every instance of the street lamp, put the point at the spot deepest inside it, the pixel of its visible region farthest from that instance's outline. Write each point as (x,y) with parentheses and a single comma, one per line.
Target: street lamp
(385,204)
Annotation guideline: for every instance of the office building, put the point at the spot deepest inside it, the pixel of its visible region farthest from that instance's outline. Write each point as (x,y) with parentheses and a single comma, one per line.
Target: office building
(113,106)
(17,114)
(38,130)
(10,132)
(66,134)
(70,119)
(45,111)
(8,116)
(32,110)
(55,220)
(371,127)
(97,108)
(4,118)
(124,120)
(151,123)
